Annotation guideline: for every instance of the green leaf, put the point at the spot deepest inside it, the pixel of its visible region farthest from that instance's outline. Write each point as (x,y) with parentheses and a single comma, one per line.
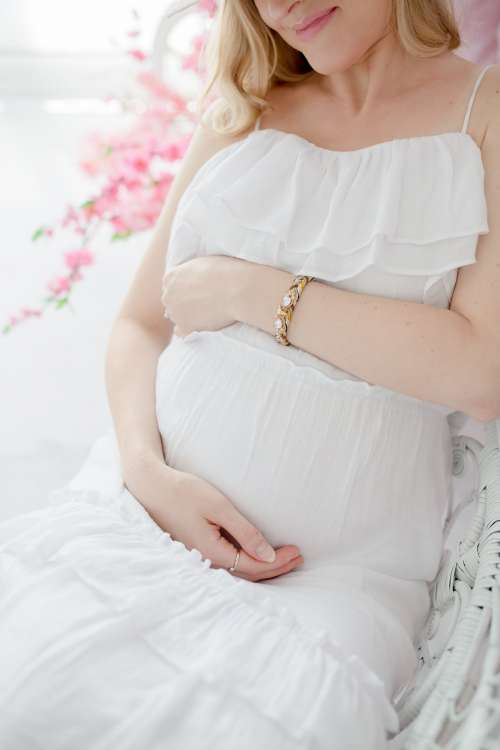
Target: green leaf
(61,302)
(121,235)
(88,203)
(37,234)
(108,150)
(6,329)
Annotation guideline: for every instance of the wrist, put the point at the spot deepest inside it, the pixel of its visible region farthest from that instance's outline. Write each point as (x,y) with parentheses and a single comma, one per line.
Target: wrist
(143,462)
(256,293)
(150,479)
(140,457)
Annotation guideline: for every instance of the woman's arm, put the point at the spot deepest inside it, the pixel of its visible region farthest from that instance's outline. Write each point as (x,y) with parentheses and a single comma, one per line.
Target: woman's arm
(416,349)
(449,356)
(131,363)
(140,332)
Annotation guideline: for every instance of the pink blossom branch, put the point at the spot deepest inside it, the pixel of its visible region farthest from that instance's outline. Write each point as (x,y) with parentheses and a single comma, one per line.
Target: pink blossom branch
(134,171)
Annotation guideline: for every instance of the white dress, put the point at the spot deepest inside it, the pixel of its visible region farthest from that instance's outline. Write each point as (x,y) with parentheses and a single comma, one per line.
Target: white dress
(114,635)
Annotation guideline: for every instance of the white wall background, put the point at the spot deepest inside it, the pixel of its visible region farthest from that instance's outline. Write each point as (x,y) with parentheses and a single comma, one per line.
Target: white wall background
(39,39)
(56,59)
(51,378)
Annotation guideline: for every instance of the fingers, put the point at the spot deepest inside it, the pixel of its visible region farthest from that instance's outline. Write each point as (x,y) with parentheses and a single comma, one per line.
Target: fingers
(252,541)
(253,570)
(291,565)
(224,554)
(208,539)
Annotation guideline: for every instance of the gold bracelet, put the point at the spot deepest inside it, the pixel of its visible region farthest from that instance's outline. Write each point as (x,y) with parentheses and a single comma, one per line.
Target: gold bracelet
(286,308)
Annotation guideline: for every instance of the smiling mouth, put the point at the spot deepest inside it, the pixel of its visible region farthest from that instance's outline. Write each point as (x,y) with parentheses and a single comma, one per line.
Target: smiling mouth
(298,28)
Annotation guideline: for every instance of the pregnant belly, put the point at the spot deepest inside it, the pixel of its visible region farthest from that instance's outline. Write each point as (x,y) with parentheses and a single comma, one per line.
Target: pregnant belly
(348,471)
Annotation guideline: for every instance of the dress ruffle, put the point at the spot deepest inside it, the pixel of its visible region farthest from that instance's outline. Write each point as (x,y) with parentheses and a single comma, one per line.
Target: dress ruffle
(400,206)
(202,620)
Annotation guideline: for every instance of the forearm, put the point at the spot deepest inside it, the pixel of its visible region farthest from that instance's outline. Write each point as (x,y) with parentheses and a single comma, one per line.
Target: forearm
(416,349)
(130,373)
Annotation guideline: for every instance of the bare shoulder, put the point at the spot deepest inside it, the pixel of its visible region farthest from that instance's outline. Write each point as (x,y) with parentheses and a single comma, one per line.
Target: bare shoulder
(464,75)
(476,294)
(488,111)
(488,102)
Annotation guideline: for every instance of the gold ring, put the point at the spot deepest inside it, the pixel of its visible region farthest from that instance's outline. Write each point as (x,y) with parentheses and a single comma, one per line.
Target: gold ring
(233,567)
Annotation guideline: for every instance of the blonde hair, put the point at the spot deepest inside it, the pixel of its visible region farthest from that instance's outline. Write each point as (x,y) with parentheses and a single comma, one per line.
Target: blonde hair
(245,58)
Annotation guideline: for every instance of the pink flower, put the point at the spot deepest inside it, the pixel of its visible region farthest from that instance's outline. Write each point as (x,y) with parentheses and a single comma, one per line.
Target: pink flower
(137,54)
(76,258)
(119,224)
(139,163)
(174,151)
(160,190)
(192,61)
(90,167)
(88,209)
(209,6)
(71,217)
(131,169)
(59,284)
(131,183)
(30,311)
(155,85)
(138,209)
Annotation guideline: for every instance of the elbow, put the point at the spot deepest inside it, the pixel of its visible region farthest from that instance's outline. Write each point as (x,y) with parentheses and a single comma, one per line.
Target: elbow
(487,404)
(486,415)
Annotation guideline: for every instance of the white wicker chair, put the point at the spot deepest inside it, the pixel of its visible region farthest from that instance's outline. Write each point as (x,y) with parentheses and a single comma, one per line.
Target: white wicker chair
(453,702)
(176,11)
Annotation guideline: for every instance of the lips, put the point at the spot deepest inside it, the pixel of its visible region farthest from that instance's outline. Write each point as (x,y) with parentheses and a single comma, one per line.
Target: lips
(314,17)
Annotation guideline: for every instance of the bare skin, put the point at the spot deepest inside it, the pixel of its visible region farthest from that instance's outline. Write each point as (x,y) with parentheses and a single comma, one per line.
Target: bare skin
(364,87)
(309,111)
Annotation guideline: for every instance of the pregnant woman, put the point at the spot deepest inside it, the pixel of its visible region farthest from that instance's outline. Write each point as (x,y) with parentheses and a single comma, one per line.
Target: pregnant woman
(244,561)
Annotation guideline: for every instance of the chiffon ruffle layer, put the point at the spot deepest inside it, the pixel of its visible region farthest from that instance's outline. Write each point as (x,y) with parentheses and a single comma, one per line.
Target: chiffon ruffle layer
(411,207)
(141,644)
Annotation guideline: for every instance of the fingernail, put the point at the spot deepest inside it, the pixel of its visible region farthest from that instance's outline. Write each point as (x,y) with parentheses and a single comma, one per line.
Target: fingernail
(266,552)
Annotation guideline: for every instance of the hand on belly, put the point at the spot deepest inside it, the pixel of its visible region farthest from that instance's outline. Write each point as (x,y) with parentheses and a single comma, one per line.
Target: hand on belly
(202,517)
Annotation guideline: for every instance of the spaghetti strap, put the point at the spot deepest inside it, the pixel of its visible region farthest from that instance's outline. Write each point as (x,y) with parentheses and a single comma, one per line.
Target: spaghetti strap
(472,97)
(257,123)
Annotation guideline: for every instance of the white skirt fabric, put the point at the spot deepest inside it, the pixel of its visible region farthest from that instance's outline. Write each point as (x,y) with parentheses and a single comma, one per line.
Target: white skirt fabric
(114,635)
